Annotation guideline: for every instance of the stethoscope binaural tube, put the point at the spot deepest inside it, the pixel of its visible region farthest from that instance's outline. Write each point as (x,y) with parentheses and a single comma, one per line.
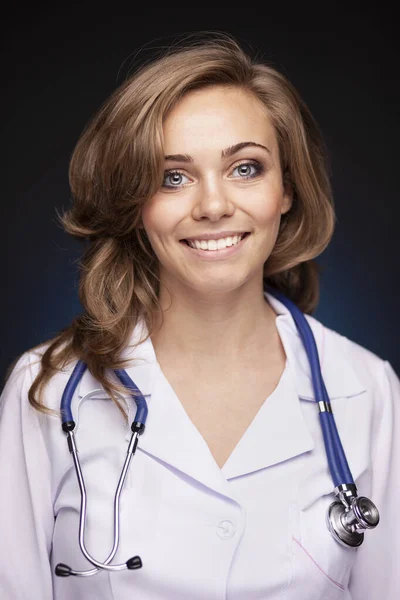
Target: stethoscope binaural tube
(348,516)
(68,425)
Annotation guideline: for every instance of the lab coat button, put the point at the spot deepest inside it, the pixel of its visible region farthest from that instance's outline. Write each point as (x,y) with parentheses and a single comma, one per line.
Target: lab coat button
(226,530)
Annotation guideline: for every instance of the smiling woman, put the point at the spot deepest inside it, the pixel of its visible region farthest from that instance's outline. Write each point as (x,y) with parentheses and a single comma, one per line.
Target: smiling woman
(202,190)
(218,190)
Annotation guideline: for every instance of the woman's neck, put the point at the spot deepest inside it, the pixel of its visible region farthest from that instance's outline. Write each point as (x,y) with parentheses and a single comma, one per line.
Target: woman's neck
(219,329)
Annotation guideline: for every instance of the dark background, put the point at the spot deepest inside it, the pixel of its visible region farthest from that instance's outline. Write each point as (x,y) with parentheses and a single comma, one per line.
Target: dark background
(61,61)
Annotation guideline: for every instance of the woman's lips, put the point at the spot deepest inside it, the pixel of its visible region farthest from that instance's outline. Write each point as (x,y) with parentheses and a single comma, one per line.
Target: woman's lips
(217,254)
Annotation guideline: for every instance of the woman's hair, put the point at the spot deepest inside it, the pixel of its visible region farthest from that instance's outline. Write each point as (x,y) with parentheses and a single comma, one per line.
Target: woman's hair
(118,164)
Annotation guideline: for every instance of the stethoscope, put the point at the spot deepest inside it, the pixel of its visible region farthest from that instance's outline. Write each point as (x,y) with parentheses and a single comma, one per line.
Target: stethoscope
(346,517)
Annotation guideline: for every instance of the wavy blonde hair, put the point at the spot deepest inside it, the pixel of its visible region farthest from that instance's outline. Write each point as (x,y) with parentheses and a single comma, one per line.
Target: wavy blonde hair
(118,164)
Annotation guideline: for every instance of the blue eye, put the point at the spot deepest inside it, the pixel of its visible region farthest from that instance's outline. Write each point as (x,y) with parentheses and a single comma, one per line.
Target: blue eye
(248,170)
(175,178)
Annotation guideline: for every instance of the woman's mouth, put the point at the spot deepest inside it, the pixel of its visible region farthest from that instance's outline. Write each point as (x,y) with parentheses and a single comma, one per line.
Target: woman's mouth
(214,249)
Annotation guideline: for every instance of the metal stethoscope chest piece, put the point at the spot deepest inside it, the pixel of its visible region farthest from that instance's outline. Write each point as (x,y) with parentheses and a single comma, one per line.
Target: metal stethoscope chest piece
(347,517)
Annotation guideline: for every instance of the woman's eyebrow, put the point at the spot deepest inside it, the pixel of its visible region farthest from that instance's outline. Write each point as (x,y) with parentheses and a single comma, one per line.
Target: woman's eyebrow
(224,154)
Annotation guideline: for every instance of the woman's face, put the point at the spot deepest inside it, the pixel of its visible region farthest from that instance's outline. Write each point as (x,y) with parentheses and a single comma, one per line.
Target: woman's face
(222,178)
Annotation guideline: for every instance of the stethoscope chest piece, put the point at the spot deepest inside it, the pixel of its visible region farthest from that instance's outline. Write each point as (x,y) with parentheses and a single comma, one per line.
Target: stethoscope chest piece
(345,523)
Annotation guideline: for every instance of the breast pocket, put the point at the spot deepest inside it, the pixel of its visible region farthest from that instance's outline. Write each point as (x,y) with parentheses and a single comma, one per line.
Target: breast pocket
(321,566)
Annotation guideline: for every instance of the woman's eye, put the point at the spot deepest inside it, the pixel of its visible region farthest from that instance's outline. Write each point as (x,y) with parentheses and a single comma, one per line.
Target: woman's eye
(248,170)
(173,179)
(245,170)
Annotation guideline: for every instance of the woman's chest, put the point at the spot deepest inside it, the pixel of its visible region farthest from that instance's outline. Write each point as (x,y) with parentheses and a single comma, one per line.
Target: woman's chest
(223,403)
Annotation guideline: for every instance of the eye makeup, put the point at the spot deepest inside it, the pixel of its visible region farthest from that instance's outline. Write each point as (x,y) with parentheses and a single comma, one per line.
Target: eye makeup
(258,169)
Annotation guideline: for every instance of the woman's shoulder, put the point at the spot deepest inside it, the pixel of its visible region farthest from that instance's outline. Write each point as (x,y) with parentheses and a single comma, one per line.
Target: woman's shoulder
(372,370)
(336,339)
(23,372)
(29,362)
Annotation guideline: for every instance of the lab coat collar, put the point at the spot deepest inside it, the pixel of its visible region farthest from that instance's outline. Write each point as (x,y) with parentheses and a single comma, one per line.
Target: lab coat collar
(172,438)
(339,376)
(142,362)
(277,433)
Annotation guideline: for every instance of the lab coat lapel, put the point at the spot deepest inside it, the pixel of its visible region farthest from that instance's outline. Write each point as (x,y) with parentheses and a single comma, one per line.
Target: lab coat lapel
(172,438)
(279,431)
(169,435)
(338,374)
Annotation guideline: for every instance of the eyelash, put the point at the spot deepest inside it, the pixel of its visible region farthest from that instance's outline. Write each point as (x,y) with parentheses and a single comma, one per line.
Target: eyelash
(259,169)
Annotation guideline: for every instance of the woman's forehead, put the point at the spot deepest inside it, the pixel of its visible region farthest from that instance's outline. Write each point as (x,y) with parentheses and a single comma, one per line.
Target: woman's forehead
(217,117)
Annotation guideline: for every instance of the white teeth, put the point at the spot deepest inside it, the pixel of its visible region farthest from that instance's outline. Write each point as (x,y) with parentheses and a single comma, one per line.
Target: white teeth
(216,244)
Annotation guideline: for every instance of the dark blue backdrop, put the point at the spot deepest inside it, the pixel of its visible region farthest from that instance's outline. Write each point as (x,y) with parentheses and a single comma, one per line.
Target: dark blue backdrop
(59,64)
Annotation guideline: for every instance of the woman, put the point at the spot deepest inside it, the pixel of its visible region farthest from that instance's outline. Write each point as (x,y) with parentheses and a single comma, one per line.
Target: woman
(201,181)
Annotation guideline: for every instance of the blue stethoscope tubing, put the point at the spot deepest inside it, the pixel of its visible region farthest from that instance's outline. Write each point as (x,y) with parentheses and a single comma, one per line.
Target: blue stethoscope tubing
(338,465)
(80,367)
(346,518)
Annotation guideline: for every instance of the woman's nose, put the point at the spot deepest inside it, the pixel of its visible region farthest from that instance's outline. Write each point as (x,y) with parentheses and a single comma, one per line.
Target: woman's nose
(212,201)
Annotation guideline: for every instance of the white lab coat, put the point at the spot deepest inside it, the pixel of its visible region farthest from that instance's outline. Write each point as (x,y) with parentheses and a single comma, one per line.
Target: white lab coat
(254,529)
